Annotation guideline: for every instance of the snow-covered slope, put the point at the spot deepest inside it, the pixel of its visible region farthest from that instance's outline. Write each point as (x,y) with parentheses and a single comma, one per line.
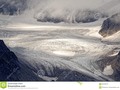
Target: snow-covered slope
(45,49)
(73,11)
(61,11)
(55,51)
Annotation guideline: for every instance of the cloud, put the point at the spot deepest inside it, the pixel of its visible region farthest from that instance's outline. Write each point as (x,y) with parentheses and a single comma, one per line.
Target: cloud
(71,4)
(75,4)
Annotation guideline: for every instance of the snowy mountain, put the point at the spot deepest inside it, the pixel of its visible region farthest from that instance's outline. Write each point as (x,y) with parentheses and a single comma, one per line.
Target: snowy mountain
(65,11)
(69,16)
(13,70)
(61,40)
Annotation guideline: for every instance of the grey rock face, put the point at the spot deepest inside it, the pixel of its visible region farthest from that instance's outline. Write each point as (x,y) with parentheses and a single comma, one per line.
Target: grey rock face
(11,69)
(8,62)
(11,7)
(67,16)
(114,61)
(110,25)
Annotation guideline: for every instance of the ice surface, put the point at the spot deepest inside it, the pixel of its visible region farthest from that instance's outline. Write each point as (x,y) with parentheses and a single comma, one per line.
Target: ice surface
(75,48)
(66,46)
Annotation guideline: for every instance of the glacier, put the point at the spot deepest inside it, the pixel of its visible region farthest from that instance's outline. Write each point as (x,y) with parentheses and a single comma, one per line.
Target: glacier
(56,51)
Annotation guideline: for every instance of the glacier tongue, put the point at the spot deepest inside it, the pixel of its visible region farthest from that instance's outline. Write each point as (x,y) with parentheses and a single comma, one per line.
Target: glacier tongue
(72,49)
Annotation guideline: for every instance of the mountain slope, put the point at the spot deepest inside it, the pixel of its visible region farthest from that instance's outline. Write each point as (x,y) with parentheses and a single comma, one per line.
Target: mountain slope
(11,68)
(68,51)
(110,25)
(110,66)
(11,7)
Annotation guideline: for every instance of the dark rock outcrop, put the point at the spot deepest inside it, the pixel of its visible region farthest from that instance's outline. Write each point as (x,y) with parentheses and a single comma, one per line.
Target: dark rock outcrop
(13,70)
(67,16)
(8,62)
(110,25)
(114,61)
(11,7)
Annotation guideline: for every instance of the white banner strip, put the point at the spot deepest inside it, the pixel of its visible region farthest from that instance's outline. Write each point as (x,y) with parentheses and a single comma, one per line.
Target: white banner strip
(60,85)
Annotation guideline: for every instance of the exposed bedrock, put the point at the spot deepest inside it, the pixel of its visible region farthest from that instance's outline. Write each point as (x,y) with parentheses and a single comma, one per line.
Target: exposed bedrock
(110,25)
(110,66)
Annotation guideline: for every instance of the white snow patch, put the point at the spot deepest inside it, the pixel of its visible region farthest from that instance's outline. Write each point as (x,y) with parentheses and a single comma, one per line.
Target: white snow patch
(64,53)
(108,70)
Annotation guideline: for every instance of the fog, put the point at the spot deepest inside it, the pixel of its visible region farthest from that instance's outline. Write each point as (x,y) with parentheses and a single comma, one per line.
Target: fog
(70,4)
